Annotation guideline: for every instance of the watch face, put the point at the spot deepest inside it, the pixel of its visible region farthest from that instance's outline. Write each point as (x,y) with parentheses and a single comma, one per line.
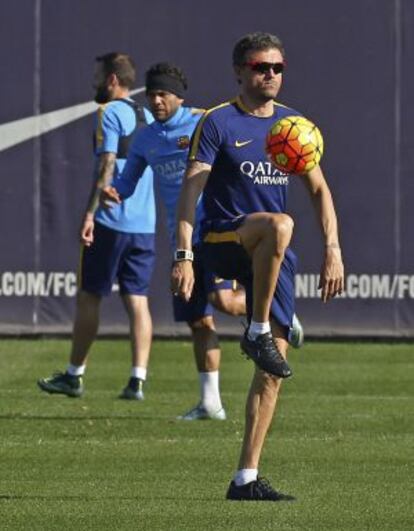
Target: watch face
(183,254)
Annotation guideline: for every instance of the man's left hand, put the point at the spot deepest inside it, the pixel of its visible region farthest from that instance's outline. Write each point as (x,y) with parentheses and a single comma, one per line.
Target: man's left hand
(332,274)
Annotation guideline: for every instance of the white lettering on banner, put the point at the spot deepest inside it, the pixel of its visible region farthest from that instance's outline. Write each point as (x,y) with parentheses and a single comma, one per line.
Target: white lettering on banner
(63,284)
(363,286)
(40,284)
(380,285)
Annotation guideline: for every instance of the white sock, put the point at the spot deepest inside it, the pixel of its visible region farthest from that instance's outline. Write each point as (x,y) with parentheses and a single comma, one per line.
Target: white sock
(209,390)
(245,475)
(139,372)
(76,370)
(257,329)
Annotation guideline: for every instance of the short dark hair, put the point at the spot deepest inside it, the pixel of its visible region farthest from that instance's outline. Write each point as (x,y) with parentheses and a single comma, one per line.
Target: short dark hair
(168,69)
(119,64)
(257,41)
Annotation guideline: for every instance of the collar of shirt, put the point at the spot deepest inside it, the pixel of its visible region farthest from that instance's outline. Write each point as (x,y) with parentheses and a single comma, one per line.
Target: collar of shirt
(172,122)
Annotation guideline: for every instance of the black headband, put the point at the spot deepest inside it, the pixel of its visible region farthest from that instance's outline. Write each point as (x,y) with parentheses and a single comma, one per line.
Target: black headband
(166,83)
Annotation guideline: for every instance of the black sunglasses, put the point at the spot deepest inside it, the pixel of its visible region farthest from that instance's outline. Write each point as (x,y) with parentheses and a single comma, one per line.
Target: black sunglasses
(264,68)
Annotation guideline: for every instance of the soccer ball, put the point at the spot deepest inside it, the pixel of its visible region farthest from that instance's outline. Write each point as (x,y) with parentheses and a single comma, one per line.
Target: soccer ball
(294,144)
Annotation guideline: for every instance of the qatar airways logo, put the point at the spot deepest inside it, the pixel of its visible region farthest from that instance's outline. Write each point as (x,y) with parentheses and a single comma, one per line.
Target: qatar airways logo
(264,173)
(170,170)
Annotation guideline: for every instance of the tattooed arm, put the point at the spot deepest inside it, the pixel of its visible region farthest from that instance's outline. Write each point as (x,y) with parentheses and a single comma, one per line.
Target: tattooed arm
(104,172)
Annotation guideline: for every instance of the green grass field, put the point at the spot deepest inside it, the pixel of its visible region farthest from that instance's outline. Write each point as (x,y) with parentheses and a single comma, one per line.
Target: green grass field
(342,442)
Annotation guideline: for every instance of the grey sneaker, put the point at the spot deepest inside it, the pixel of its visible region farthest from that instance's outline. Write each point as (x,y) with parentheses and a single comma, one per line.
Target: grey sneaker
(296,333)
(201,413)
(134,390)
(63,384)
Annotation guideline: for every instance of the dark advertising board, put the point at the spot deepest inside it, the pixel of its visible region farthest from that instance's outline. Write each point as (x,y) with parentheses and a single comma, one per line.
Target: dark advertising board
(349,69)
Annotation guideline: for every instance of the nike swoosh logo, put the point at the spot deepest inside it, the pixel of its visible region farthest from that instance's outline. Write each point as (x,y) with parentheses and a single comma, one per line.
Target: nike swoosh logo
(243,143)
(18,131)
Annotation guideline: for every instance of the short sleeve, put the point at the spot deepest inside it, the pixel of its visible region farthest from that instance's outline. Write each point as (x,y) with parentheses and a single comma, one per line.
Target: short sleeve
(206,140)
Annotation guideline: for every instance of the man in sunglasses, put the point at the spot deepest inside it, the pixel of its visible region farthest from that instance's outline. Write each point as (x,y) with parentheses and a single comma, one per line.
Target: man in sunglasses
(246,234)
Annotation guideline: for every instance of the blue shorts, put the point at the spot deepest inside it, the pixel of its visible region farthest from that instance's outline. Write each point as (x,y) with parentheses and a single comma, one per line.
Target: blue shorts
(128,258)
(223,254)
(205,282)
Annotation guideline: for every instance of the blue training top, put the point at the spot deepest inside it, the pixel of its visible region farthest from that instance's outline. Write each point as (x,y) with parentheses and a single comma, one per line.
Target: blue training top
(242,180)
(164,146)
(137,214)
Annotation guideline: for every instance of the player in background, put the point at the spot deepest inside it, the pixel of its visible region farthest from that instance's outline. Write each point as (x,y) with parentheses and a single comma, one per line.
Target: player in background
(246,234)
(164,146)
(116,244)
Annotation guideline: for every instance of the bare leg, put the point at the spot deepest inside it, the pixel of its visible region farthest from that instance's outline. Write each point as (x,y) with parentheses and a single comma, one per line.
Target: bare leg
(265,237)
(260,407)
(206,345)
(230,301)
(140,326)
(85,326)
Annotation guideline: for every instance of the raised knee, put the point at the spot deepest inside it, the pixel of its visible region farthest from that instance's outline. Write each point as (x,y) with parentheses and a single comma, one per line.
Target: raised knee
(283,224)
(204,323)
(282,228)
(221,300)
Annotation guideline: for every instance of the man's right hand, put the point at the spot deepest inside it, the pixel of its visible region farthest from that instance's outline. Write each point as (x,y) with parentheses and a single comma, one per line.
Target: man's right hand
(86,231)
(108,196)
(182,279)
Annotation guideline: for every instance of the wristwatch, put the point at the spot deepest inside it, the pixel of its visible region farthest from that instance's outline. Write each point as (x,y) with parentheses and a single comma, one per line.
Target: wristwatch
(183,254)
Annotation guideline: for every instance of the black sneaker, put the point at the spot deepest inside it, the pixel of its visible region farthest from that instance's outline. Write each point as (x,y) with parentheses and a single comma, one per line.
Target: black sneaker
(62,383)
(134,390)
(265,354)
(259,490)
